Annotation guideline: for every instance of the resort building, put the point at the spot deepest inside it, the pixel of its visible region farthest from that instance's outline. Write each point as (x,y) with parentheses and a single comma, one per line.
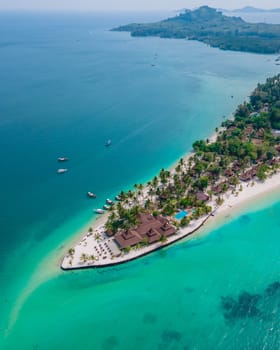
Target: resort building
(150,229)
(201,196)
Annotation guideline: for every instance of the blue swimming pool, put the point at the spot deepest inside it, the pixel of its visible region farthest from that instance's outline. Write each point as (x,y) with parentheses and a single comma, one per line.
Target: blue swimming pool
(181,215)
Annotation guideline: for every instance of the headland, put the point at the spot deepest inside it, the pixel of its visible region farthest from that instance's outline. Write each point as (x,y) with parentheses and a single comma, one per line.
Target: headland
(213,28)
(239,164)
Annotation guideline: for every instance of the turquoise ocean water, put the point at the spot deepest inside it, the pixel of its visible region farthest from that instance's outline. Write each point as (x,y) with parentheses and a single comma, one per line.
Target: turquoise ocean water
(67,85)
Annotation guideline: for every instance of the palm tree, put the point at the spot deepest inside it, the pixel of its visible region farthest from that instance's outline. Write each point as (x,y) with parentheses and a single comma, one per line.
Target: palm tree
(71,251)
(84,258)
(178,168)
(151,192)
(97,235)
(181,161)
(155,182)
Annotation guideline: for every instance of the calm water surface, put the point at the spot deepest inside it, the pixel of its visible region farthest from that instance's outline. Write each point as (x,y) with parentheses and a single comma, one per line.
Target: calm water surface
(67,85)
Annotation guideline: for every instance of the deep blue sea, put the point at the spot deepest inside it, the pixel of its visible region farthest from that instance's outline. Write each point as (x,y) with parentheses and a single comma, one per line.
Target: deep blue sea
(67,85)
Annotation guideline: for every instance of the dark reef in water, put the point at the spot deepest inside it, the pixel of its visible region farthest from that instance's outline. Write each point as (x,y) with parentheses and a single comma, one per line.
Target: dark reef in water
(244,306)
(248,305)
(273,288)
(110,343)
(170,335)
(169,338)
(244,219)
(149,318)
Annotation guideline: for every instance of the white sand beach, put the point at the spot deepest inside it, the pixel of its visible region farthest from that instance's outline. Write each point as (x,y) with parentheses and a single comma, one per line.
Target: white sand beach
(101,250)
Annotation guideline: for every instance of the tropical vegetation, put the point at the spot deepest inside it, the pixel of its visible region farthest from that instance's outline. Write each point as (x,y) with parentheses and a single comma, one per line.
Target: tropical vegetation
(247,148)
(211,27)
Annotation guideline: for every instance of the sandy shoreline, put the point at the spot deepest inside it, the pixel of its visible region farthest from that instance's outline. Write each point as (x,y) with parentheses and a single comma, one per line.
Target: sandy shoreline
(232,206)
(100,220)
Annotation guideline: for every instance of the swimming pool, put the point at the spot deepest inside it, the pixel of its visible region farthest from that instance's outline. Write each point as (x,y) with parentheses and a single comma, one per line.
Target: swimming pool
(181,215)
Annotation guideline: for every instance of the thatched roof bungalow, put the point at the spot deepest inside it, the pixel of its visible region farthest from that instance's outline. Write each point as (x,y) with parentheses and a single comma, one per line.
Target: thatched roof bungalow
(150,228)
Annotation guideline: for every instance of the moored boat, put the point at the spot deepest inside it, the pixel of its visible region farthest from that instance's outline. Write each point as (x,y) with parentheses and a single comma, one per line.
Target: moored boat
(108,143)
(118,198)
(61,171)
(91,195)
(99,211)
(109,201)
(106,207)
(62,159)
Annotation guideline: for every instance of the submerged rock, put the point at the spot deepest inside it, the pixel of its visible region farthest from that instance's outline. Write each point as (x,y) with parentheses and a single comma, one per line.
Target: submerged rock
(170,335)
(149,318)
(110,343)
(244,219)
(244,306)
(272,288)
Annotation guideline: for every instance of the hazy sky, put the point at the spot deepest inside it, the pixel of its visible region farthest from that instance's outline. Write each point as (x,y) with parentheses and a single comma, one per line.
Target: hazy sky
(130,4)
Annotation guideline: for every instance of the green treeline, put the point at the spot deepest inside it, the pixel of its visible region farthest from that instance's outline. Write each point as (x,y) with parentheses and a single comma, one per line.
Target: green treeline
(215,29)
(247,149)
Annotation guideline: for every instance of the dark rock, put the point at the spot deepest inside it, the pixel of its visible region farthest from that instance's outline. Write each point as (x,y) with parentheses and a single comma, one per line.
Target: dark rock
(149,318)
(171,335)
(272,288)
(244,306)
(110,343)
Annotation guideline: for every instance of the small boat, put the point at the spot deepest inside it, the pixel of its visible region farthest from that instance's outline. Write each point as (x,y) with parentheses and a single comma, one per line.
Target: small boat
(62,171)
(118,198)
(108,201)
(99,211)
(106,207)
(91,195)
(62,159)
(108,143)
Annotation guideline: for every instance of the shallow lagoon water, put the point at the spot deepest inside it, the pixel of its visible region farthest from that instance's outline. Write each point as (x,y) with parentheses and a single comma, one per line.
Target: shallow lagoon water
(69,84)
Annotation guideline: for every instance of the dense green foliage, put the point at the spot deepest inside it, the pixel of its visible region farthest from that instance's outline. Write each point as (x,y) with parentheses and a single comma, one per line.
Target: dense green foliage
(269,93)
(246,149)
(215,29)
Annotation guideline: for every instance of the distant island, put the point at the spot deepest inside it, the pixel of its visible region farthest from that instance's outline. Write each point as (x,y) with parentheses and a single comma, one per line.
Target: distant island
(251,9)
(212,27)
(239,162)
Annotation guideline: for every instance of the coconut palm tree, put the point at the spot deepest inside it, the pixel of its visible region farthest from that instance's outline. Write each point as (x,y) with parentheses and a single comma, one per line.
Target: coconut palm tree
(92,258)
(71,252)
(163,239)
(84,257)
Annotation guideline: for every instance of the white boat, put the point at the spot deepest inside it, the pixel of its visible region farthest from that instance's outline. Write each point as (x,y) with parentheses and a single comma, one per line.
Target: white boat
(118,198)
(61,171)
(108,143)
(91,195)
(99,211)
(62,159)
(106,207)
(109,201)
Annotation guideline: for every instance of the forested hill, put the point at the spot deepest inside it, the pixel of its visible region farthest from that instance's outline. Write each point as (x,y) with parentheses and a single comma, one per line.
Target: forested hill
(215,29)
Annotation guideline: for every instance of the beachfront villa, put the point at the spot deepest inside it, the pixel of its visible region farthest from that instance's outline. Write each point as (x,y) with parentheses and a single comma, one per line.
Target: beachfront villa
(150,229)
